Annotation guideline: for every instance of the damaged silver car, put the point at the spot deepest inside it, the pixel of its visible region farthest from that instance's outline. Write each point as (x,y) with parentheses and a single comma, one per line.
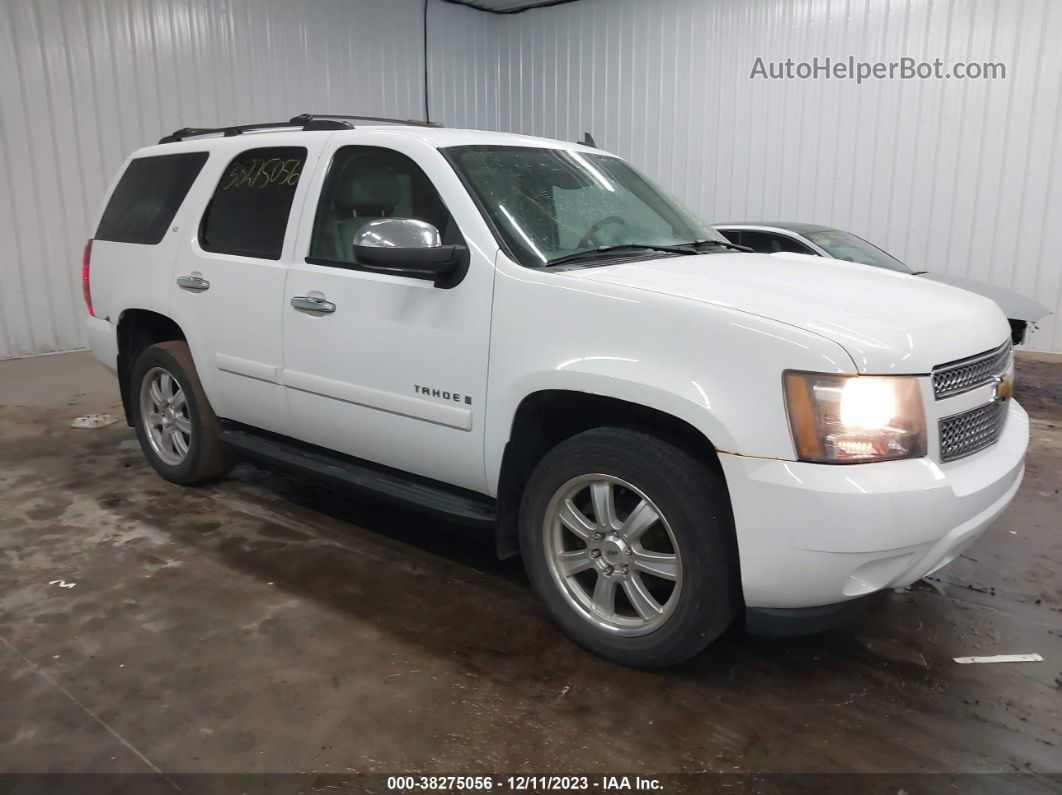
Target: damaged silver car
(825,241)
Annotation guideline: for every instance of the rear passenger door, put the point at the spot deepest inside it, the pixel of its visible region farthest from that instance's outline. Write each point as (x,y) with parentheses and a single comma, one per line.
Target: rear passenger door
(228,282)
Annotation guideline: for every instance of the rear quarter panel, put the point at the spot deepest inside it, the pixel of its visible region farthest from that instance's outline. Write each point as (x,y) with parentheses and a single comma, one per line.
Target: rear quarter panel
(133,276)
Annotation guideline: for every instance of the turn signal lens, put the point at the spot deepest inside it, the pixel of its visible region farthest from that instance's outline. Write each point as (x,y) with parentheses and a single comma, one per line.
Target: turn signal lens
(849,419)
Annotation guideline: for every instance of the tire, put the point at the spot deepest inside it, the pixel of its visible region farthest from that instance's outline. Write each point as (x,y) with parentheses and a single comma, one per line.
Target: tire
(202,455)
(646,477)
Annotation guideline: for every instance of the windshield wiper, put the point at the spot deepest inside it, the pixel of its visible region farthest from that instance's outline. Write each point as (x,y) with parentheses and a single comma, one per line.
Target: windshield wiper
(722,243)
(678,248)
(592,253)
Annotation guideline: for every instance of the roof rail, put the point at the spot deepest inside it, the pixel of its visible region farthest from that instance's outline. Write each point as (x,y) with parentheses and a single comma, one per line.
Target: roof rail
(308,117)
(239,129)
(306,121)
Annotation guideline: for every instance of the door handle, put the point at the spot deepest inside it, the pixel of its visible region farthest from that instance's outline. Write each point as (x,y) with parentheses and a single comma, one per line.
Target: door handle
(195,282)
(313,303)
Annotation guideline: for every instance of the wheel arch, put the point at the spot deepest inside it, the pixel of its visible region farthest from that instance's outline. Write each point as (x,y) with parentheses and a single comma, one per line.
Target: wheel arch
(546,417)
(139,329)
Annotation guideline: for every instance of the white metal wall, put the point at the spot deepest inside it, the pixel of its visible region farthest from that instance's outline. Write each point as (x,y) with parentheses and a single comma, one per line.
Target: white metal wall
(84,82)
(952,175)
(960,176)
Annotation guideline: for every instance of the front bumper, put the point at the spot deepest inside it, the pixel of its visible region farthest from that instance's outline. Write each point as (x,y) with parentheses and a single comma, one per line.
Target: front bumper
(790,622)
(818,534)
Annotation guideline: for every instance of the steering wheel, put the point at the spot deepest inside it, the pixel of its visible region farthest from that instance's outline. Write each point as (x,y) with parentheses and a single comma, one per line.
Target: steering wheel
(591,234)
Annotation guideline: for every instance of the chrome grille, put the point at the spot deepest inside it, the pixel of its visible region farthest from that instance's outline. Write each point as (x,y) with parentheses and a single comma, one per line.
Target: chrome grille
(957,377)
(966,433)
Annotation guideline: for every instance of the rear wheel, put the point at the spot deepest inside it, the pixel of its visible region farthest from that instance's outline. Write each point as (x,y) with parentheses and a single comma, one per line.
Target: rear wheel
(177,429)
(627,540)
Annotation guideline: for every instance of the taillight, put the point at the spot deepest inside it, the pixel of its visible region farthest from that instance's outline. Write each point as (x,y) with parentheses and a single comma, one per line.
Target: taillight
(86,260)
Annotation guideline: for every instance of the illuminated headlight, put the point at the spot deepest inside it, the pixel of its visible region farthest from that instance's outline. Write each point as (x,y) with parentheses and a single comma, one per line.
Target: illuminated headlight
(851,419)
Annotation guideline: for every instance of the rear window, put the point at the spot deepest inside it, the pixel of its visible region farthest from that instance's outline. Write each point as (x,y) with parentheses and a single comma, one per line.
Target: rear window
(248,214)
(148,196)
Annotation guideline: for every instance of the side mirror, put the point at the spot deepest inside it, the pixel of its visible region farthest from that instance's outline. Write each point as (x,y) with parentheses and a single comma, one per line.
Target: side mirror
(408,247)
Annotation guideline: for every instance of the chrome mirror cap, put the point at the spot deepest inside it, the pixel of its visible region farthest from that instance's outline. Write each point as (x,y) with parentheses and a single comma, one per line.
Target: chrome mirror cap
(398,233)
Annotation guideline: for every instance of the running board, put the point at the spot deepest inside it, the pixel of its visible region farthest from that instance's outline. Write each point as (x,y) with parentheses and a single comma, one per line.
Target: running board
(414,492)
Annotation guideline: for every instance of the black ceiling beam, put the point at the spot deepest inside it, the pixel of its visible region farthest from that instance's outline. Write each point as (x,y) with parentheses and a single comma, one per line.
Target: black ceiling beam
(508,11)
(486,9)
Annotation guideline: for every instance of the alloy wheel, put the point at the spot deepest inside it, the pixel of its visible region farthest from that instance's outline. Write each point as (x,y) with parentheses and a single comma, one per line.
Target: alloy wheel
(612,554)
(164,414)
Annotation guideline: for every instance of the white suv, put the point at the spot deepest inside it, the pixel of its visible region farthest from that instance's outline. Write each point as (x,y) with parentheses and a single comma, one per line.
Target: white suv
(528,334)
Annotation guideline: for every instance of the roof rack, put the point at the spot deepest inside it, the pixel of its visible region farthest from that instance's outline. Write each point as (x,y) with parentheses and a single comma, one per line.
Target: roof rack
(309,117)
(305,121)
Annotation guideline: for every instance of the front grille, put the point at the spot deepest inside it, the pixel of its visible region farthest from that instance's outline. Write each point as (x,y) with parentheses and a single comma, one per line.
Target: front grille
(966,433)
(955,378)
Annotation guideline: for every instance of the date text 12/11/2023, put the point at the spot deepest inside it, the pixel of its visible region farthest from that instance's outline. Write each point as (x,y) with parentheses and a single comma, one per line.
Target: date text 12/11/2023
(522,783)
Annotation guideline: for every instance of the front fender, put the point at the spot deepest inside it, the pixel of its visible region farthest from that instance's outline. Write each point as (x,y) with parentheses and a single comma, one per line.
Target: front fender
(612,377)
(714,367)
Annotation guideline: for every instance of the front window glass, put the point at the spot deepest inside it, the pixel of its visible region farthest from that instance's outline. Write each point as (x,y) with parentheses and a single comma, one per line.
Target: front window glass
(844,245)
(769,243)
(365,183)
(550,203)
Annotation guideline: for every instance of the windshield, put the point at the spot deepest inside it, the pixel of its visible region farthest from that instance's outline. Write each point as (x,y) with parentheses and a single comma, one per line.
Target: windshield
(845,245)
(551,203)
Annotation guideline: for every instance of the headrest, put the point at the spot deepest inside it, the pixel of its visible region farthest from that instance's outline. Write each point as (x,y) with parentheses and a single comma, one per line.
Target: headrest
(368,184)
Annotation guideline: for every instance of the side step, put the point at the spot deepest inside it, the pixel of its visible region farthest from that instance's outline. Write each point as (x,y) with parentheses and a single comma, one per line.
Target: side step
(417,493)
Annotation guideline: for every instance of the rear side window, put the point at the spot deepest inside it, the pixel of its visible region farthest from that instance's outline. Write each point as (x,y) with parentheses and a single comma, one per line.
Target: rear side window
(248,214)
(148,196)
(771,243)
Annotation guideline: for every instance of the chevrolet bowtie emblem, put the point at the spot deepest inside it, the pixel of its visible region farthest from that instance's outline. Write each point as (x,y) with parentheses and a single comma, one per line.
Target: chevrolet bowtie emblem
(1004,388)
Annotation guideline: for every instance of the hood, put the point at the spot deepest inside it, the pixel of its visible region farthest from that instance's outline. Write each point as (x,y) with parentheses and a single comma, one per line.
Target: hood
(1014,305)
(887,322)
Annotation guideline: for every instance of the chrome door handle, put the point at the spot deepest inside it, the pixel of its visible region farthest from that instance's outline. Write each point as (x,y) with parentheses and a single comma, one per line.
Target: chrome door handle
(195,282)
(312,303)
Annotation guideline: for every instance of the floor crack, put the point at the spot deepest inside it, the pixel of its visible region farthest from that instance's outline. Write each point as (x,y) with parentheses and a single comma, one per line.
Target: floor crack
(110,730)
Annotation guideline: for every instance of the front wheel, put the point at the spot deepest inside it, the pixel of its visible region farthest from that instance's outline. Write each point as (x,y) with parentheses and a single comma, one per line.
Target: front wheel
(627,540)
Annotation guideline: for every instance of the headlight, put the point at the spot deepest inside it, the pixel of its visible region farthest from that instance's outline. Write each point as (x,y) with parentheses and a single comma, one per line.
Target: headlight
(851,419)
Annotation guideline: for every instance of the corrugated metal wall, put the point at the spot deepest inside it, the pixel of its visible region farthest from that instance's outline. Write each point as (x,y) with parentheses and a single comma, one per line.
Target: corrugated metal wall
(961,176)
(84,82)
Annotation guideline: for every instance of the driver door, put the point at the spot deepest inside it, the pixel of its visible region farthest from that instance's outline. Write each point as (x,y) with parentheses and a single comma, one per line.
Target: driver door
(386,368)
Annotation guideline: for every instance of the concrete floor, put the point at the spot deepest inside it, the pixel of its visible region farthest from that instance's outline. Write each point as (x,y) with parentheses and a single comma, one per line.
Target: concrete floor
(266,623)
